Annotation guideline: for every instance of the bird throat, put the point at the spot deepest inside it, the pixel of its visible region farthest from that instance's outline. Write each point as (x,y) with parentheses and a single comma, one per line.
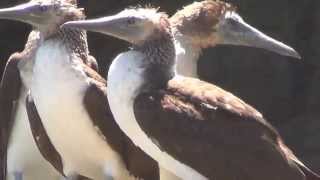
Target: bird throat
(160,61)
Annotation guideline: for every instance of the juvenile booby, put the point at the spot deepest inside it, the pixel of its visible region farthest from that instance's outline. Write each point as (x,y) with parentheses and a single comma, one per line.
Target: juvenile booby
(201,25)
(20,157)
(68,108)
(193,128)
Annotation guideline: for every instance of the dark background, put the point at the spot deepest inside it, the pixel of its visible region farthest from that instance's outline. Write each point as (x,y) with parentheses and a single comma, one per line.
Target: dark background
(285,90)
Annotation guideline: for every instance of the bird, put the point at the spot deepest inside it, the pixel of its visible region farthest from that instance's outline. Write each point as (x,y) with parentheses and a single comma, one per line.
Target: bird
(193,128)
(20,157)
(193,31)
(67,105)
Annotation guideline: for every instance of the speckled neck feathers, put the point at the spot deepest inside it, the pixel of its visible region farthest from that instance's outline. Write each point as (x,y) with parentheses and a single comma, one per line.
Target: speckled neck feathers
(29,51)
(75,42)
(31,45)
(160,59)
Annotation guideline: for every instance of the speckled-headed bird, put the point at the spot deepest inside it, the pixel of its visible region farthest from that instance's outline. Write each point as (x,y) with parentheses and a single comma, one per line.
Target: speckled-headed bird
(192,128)
(209,23)
(68,108)
(20,157)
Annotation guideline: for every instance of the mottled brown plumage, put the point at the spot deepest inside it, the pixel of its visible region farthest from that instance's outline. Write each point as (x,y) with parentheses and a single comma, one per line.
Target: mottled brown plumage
(197,21)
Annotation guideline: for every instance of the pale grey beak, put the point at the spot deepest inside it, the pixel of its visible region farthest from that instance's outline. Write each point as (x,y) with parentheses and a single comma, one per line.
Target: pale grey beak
(111,25)
(116,26)
(234,31)
(23,13)
(95,25)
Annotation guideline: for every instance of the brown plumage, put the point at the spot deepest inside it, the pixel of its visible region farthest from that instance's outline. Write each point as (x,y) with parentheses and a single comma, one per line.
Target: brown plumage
(216,133)
(203,126)
(198,20)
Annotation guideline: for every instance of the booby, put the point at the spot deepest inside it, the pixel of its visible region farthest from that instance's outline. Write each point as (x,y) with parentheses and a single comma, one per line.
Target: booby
(200,25)
(68,108)
(192,128)
(20,157)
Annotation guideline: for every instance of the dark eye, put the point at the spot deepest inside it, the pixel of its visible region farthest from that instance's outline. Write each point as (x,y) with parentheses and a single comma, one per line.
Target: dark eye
(44,8)
(232,22)
(131,21)
(56,6)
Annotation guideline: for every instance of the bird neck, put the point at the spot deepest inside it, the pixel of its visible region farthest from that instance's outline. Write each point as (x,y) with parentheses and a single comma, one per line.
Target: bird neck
(159,64)
(29,51)
(75,41)
(187,55)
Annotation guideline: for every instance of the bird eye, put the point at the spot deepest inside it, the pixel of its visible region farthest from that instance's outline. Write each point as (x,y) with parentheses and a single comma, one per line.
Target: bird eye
(44,8)
(131,21)
(232,22)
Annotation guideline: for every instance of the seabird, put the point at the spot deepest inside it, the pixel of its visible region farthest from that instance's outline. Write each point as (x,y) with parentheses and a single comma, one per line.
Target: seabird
(68,107)
(20,157)
(193,128)
(200,25)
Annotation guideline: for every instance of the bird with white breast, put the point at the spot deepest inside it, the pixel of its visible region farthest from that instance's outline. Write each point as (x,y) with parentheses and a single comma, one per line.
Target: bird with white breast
(192,128)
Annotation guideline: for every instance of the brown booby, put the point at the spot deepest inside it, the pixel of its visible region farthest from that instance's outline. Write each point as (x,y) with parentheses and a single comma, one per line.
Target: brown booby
(68,108)
(20,157)
(200,25)
(192,128)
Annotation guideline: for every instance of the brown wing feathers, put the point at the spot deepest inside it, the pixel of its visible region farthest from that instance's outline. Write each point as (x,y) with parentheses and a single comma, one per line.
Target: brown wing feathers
(9,94)
(214,132)
(41,138)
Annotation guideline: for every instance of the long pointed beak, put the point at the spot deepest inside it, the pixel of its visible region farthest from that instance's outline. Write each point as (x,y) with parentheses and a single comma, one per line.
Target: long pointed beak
(110,25)
(235,31)
(96,25)
(21,12)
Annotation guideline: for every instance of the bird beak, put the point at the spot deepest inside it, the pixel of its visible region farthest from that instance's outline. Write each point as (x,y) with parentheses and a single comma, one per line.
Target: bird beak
(233,30)
(94,25)
(110,25)
(23,13)
(115,26)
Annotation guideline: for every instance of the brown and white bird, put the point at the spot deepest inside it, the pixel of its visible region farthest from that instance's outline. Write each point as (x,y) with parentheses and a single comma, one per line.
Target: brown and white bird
(192,128)
(210,23)
(20,157)
(68,108)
